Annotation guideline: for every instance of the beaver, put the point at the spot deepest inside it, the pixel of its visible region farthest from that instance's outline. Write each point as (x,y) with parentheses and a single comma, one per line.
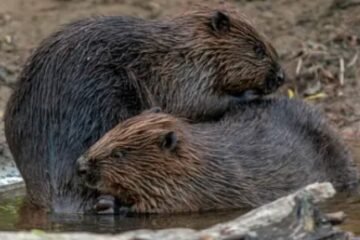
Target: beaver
(94,73)
(159,163)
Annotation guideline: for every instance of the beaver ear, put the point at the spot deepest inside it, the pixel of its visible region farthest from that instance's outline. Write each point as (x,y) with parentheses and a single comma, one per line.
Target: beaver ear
(169,141)
(220,22)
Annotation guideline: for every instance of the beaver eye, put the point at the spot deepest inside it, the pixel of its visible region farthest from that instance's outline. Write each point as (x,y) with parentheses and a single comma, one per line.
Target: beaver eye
(118,154)
(259,51)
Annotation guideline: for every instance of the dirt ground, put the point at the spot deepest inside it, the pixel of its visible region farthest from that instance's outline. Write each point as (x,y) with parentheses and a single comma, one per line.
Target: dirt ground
(318,41)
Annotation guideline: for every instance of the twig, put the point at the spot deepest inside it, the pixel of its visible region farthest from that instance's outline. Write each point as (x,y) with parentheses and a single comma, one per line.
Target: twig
(298,67)
(342,71)
(353,60)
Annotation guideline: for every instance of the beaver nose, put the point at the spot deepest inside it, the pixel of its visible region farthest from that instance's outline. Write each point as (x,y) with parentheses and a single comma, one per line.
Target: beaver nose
(82,166)
(274,80)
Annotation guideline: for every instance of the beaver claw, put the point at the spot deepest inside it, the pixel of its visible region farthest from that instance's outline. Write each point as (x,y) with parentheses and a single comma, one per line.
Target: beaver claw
(105,205)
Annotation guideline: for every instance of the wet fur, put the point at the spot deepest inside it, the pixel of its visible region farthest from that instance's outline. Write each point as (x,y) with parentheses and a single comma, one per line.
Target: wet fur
(96,72)
(257,153)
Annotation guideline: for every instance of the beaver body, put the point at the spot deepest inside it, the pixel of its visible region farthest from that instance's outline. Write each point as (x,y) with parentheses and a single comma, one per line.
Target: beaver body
(94,73)
(157,163)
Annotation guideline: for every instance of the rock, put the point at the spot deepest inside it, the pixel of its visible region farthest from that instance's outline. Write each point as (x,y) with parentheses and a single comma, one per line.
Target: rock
(6,75)
(293,217)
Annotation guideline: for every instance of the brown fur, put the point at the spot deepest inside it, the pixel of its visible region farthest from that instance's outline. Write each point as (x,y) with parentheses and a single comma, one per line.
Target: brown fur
(97,72)
(149,170)
(250,157)
(233,48)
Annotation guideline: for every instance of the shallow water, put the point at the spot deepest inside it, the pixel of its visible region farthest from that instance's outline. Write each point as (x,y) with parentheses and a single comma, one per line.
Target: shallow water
(12,219)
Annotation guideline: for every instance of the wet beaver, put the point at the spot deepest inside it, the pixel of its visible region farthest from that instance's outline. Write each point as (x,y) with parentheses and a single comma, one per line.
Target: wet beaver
(94,73)
(157,163)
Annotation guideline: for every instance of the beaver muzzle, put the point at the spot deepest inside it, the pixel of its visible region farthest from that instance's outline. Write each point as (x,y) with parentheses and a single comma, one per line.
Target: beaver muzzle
(274,79)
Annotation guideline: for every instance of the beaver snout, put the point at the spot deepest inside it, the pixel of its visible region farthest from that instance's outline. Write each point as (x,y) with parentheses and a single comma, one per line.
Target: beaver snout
(275,78)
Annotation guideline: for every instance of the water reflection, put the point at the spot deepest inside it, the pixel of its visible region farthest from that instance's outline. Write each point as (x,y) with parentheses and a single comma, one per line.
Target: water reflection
(17,216)
(13,217)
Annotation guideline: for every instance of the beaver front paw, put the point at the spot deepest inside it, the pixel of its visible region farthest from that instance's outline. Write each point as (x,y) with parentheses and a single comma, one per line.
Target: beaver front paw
(107,204)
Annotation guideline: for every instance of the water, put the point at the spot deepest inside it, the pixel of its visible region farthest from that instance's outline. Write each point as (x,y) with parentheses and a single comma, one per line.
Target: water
(14,219)
(351,207)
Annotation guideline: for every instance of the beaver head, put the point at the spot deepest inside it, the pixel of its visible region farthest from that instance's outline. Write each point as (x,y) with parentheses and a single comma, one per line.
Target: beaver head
(217,52)
(147,164)
(248,59)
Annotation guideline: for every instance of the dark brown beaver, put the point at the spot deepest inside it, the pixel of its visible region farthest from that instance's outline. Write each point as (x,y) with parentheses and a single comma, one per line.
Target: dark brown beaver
(94,73)
(157,163)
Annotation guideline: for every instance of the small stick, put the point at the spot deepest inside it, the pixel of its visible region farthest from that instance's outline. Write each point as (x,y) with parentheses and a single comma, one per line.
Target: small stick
(342,71)
(353,60)
(298,67)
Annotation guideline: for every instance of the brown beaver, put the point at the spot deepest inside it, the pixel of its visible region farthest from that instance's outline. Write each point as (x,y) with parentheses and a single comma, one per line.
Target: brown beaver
(157,163)
(94,73)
